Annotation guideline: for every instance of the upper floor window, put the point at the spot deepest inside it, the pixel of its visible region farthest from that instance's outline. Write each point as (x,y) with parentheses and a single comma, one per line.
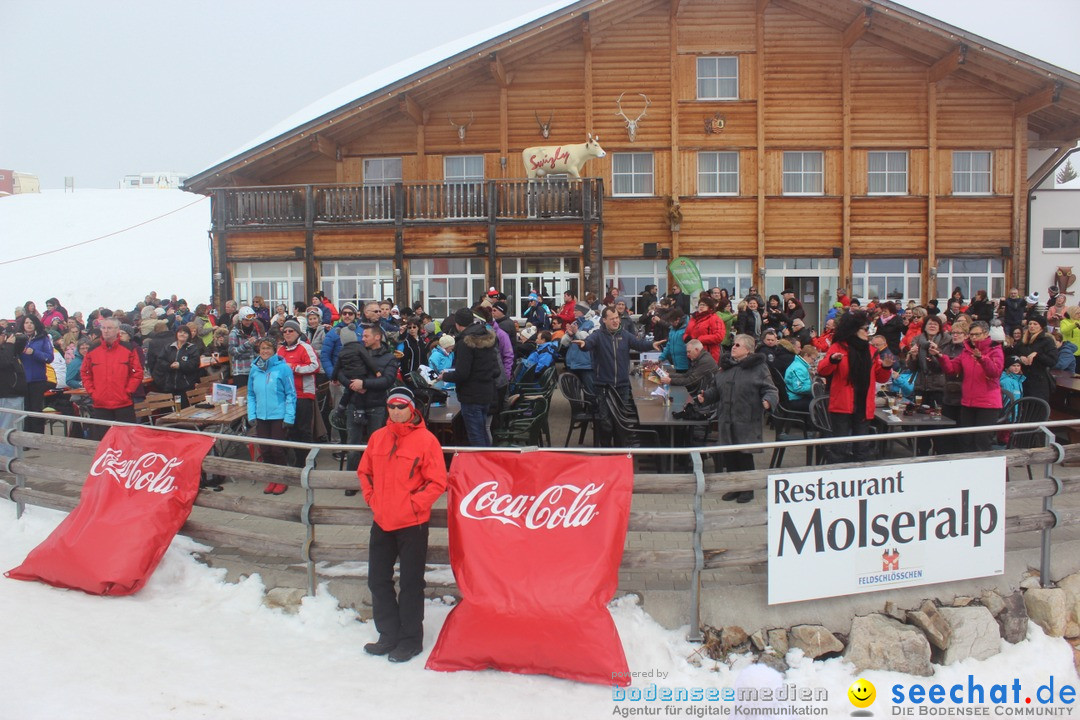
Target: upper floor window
(718,173)
(804,173)
(971,173)
(718,78)
(1061,239)
(632,173)
(382,171)
(886,173)
(463,168)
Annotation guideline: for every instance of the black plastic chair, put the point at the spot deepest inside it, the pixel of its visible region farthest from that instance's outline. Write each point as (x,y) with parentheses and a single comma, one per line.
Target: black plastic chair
(582,411)
(627,427)
(784,420)
(819,417)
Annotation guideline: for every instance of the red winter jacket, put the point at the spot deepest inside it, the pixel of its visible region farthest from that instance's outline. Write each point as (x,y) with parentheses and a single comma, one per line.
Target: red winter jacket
(304,362)
(402,474)
(110,374)
(707,327)
(981,386)
(841,391)
(567,313)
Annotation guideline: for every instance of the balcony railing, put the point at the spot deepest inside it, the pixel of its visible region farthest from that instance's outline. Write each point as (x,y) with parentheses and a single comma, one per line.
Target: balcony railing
(413,203)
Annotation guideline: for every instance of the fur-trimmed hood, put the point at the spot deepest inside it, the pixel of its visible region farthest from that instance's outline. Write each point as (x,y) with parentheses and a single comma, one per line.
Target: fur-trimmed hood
(478,336)
(747,362)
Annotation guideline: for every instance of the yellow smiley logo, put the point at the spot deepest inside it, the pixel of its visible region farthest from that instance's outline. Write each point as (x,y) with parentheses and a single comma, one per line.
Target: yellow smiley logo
(862,693)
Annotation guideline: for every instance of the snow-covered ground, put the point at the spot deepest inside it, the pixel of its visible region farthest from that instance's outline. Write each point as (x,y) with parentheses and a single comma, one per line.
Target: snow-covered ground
(190,645)
(156,240)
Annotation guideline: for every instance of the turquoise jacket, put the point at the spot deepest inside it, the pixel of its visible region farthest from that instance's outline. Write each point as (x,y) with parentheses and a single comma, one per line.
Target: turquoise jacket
(675,349)
(798,380)
(272,392)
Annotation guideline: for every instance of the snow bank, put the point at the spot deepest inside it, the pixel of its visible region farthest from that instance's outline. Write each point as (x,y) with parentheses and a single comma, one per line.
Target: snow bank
(191,645)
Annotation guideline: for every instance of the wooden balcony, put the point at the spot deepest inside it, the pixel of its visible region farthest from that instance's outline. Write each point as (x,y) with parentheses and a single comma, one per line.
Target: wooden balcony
(403,204)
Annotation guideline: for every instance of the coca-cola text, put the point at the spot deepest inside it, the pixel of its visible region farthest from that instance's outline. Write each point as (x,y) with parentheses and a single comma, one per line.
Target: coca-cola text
(546,510)
(151,472)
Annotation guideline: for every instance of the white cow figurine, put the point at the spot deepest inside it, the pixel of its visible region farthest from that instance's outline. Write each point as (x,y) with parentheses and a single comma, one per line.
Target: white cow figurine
(558,159)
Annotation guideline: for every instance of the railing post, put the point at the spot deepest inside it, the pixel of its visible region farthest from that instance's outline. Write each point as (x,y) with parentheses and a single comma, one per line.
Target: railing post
(491,244)
(20,479)
(699,553)
(305,517)
(399,242)
(1048,507)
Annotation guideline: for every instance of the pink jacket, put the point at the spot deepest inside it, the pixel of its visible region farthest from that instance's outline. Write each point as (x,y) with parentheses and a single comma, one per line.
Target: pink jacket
(981,377)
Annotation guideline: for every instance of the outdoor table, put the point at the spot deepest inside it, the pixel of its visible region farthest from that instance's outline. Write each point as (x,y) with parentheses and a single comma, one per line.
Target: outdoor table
(654,412)
(233,420)
(915,421)
(444,413)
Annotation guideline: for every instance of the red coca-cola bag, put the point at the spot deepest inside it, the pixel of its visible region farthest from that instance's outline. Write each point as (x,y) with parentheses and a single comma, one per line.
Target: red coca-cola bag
(535,544)
(138,494)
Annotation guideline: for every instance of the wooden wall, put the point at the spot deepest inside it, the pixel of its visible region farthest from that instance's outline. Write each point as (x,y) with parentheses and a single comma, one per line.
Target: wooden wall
(641,47)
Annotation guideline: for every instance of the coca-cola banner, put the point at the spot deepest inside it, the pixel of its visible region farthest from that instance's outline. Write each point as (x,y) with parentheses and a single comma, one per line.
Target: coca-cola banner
(137,495)
(535,544)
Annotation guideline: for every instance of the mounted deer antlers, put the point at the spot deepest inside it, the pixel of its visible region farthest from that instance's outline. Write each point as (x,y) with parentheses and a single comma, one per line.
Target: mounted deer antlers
(461,128)
(545,127)
(632,125)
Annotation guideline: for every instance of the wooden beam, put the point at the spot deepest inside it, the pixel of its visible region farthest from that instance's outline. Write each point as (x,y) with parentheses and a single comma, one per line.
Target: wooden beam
(858,26)
(929,274)
(811,14)
(413,109)
(1068,134)
(846,102)
(677,7)
(1037,101)
(1015,264)
(499,72)
(761,5)
(758,278)
(1044,170)
(324,147)
(948,64)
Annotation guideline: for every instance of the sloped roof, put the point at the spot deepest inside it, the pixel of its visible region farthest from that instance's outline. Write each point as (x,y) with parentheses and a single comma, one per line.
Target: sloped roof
(1054,90)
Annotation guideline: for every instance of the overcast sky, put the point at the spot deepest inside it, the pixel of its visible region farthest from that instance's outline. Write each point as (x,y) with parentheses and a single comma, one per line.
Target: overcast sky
(97,89)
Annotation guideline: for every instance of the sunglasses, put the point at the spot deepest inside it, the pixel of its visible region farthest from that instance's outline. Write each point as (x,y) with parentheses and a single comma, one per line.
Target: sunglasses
(347,312)
(397,406)
(288,330)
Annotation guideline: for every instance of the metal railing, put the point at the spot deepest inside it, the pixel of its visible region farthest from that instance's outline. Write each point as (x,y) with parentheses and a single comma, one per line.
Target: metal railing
(697,483)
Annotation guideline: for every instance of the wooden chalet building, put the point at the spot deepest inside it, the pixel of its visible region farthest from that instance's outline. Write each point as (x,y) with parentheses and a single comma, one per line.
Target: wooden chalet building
(806,143)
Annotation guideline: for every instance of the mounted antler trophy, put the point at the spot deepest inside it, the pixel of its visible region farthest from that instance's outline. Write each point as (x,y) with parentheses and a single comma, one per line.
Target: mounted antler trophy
(545,127)
(461,128)
(632,125)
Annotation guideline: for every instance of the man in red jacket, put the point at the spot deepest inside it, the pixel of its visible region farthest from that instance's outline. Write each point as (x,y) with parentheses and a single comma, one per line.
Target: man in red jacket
(111,372)
(402,474)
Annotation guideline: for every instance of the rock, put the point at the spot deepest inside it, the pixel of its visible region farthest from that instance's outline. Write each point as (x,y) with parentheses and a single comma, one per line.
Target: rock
(814,640)
(992,602)
(776,662)
(1030,582)
(1072,629)
(895,611)
(1048,607)
(878,642)
(283,597)
(962,601)
(936,628)
(1071,585)
(974,633)
(758,640)
(1013,619)
(778,641)
(732,636)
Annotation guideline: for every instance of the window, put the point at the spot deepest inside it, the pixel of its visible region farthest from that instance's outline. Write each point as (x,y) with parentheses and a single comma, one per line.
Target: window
(887,173)
(631,277)
(551,275)
(886,278)
(1061,239)
(631,174)
(445,284)
(971,173)
(804,173)
(275,282)
(718,173)
(970,274)
(735,275)
(382,171)
(357,281)
(718,78)
(464,177)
